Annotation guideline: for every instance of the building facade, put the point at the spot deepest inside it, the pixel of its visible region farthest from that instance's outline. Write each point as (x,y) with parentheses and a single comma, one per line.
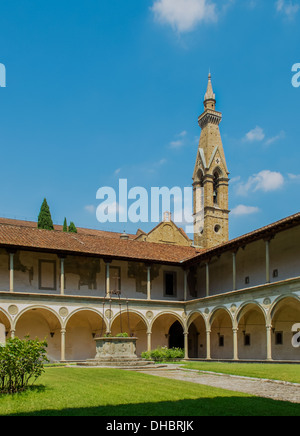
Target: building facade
(218,299)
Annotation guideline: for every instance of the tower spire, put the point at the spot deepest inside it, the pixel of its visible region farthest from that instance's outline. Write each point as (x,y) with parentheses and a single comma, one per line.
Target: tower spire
(210,96)
(210,179)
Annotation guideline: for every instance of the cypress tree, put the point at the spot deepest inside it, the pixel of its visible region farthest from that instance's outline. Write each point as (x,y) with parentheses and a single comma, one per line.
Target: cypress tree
(65,226)
(72,228)
(44,218)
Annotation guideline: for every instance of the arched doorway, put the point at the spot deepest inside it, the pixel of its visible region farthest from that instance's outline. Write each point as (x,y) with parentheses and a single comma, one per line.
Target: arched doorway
(43,324)
(162,330)
(176,338)
(134,325)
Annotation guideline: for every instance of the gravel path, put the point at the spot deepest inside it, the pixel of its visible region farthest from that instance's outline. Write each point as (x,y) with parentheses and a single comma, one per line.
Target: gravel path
(276,390)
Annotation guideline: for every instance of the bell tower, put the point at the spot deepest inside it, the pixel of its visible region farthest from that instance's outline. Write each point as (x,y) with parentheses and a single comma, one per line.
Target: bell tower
(210,179)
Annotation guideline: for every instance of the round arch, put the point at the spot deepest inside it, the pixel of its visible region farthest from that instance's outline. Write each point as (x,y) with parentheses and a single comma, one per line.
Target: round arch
(135,324)
(284,314)
(221,324)
(82,326)
(196,326)
(161,328)
(43,323)
(245,307)
(251,324)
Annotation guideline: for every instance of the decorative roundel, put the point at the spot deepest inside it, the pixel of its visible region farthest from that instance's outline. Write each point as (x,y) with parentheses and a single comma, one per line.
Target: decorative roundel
(63,311)
(267,301)
(109,314)
(13,310)
(206,311)
(149,314)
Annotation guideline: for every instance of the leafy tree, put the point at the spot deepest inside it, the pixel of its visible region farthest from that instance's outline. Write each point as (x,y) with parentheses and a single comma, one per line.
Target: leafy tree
(44,219)
(65,226)
(72,228)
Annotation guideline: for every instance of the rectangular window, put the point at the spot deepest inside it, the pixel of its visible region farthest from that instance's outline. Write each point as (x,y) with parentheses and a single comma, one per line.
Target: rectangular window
(278,338)
(247,340)
(170,279)
(247,280)
(275,273)
(47,275)
(221,341)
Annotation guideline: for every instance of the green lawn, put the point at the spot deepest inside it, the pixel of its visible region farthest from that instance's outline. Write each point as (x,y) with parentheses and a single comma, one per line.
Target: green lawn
(284,372)
(108,392)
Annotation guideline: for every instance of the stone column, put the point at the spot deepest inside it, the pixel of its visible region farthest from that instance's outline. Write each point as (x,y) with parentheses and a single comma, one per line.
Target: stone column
(235,344)
(269,342)
(186,345)
(208,352)
(148,282)
(11,272)
(63,345)
(207,278)
(12,333)
(149,344)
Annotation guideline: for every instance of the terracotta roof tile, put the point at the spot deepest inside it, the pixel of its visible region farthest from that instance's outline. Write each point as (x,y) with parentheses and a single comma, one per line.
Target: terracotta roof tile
(32,238)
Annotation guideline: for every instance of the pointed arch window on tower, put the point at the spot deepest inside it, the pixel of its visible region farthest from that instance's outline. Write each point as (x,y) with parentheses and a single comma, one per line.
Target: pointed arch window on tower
(216,187)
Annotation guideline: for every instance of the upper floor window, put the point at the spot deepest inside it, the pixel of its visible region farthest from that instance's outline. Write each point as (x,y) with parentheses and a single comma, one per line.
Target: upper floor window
(47,275)
(170,284)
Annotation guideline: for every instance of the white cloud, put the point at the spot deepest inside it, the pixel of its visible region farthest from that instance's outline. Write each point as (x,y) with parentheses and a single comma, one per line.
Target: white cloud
(177,144)
(256,134)
(275,138)
(294,177)
(90,208)
(244,210)
(288,8)
(265,181)
(184,15)
(180,141)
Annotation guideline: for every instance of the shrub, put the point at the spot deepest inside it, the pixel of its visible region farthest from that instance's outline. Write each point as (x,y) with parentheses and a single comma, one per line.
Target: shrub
(20,362)
(164,354)
(122,335)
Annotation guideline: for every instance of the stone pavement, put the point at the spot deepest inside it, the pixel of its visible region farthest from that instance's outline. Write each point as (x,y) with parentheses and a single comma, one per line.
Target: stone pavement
(276,390)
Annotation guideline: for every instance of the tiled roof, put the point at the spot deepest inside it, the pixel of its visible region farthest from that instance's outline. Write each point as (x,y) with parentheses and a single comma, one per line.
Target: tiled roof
(25,235)
(80,230)
(32,238)
(267,232)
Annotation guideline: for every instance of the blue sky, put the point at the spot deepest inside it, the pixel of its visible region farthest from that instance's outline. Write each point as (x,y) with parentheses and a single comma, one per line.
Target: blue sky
(109,89)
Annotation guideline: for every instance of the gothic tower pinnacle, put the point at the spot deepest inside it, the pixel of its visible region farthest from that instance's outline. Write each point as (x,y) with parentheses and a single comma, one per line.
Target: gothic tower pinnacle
(210,179)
